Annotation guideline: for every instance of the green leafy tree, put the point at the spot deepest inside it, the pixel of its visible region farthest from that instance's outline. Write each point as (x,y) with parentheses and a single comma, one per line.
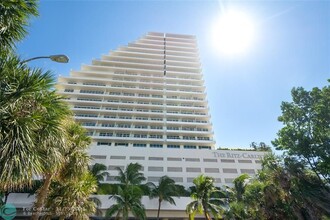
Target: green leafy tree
(14,21)
(31,134)
(99,171)
(131,175)
(306,131)
(129,193)
(164,191)
(71,198)
(204,199)
(74,162)
(283,189)
(128,200)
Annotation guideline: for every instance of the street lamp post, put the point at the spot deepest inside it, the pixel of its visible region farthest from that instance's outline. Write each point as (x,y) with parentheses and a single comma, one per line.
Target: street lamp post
(60,58)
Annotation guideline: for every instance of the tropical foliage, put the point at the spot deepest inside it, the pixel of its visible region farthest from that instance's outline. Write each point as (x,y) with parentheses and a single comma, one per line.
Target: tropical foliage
(14,21)
(130,192)
(164,191)
(99,172)
(37,136)
(283,189)
(207,199)
(306,131)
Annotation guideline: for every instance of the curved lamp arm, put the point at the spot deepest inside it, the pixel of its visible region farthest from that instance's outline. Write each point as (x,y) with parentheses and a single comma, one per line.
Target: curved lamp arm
(61,58)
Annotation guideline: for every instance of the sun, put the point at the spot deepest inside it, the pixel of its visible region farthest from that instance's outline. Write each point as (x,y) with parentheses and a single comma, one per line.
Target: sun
(233,33)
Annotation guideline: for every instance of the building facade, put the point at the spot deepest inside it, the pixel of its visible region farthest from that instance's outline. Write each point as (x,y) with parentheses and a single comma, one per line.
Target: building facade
(146,102)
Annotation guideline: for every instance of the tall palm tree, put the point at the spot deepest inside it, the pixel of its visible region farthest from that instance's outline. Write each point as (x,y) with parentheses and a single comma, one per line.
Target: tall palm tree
(131,175)
(164,191)
(74,161)
(129,193)
(204,202)
(128,200)
(31,134)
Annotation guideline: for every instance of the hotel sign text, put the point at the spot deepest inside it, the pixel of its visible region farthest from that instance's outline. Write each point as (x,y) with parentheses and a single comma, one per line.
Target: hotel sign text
(246,155)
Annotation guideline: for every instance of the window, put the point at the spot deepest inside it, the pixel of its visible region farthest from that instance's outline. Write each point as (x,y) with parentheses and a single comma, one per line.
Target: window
(173,137)
(91,91)
(103,143)
(106,134)
(194,169)
(123,126)
(156,145)
(229,170)
(193,159)
(99,157)
(140,135)
(189,147)
(114,93)
(203,138)
(121,144)
(118,157)
(122,135)
(86,115)
(212,170)
(108,125)
(68,90)
(157,136)
(204,147)
(210,160)
(156,169)
(245,161)
(174,159)
(156,127)
(156,158)
(173,146)
(88,124)
(249,171)
(174,169)
(227,161)
(90,100)
(93,84)
(188,138)
(156,119)
(139,145)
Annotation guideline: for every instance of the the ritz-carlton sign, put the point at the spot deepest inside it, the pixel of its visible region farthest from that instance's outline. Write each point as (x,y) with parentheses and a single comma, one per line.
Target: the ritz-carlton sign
(246,155)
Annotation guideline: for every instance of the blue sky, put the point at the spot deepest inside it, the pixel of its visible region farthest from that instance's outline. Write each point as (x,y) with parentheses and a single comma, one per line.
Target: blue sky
(291,48)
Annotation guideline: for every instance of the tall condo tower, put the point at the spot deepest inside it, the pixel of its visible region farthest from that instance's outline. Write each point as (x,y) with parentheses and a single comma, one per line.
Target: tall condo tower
(148,94)
(146,103)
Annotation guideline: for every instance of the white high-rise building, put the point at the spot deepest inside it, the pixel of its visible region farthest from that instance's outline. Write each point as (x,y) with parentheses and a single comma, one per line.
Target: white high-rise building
(148,94)
(146,103)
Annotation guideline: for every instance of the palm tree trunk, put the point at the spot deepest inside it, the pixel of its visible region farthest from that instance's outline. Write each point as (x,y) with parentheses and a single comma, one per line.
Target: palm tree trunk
(206,214)
(159,204)
(41,196)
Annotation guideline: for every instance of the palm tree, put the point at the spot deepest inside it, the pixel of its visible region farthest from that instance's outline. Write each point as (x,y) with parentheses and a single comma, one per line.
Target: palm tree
(14,20)
(127,200)
(131,175)
(240,183)
(204,202)
(99,171)
(164,191)
(74,161)
(129,193)
(71,199)
(31,134)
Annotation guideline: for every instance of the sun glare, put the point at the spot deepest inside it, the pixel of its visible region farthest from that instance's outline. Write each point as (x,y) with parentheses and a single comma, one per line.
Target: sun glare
(233,33)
